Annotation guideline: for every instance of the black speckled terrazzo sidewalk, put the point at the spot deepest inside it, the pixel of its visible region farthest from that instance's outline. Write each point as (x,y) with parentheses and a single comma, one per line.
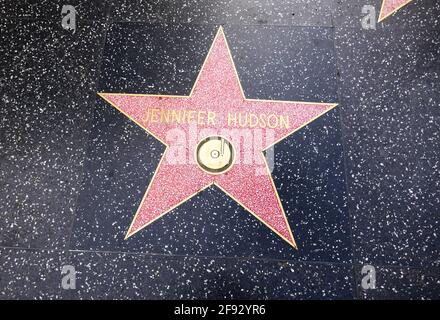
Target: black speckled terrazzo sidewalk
(360,185)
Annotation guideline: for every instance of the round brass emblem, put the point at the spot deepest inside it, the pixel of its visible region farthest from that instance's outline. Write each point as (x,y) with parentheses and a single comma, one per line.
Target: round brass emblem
(215,154)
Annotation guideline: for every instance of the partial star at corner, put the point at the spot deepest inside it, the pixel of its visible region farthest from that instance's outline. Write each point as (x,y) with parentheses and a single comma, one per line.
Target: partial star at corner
(391,6)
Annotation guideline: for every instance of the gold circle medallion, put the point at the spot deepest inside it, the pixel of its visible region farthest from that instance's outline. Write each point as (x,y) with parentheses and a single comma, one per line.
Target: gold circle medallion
(215,154)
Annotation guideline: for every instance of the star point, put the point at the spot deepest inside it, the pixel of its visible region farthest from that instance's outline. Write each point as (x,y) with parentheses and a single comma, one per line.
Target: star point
(389,7)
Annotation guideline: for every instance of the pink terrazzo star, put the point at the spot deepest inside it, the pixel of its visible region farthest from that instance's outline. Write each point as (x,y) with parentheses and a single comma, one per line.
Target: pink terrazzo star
(391,6)
(216,95)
